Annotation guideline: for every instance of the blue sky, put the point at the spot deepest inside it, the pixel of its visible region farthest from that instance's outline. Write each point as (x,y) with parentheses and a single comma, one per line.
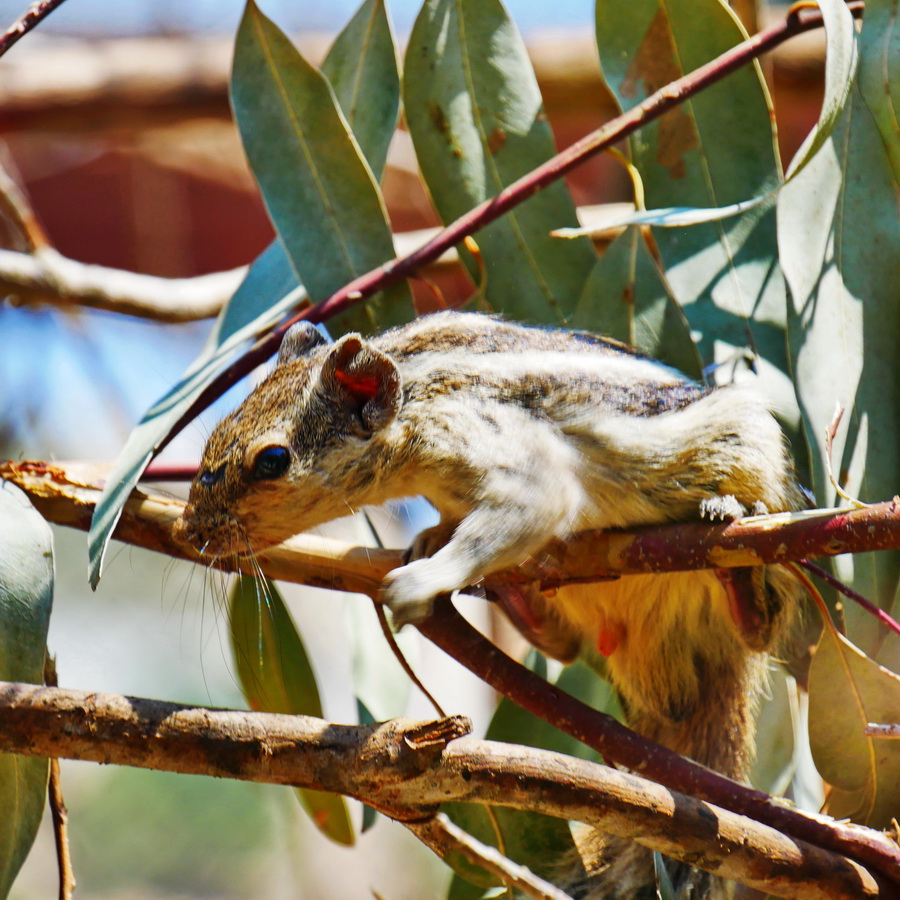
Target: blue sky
(92,17)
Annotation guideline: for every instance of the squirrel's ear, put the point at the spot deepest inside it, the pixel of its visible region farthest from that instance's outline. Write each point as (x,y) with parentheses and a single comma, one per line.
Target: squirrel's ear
(364,381)
(298,341)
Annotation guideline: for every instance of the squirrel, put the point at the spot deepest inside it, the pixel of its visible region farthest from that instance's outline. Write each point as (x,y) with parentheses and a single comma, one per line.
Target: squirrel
(519,436)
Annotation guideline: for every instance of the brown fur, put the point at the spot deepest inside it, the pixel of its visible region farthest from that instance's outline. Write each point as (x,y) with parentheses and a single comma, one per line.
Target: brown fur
(519,437)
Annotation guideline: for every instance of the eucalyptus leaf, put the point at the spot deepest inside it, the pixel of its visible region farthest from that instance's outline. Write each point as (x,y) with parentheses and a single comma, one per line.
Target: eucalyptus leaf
(268,292)
(26,597)
(839,236)
(318,189)
(476,118)
(714,150)
(361,68)
(276,676)
(847,690)
(627,298)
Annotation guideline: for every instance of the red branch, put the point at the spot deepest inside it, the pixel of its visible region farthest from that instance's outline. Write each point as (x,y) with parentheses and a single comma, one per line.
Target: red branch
(456,637)
(666,98)
(35,14)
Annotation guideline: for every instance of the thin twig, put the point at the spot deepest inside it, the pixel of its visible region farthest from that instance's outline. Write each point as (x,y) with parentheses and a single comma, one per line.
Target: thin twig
(848,592)
(666,98)
(17,209)
(33,16)
(60,817)
(444,837)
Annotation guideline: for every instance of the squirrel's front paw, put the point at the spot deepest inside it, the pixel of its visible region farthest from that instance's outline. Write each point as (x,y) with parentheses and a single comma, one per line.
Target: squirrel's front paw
(409,592)
(725,508)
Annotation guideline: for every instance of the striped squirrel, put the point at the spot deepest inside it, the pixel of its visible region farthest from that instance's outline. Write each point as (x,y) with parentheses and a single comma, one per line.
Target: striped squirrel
(519,436)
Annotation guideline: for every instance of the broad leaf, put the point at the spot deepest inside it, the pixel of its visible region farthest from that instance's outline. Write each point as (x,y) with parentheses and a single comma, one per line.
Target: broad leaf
(476,118)
(318,189)
(26,596)
(847,691)
(712,151)
(276,676)
(362,70)
(839,236)
(269,290)
(627,298)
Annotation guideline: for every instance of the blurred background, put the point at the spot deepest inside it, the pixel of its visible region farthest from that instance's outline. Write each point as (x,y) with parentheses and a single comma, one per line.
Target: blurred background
(114,119)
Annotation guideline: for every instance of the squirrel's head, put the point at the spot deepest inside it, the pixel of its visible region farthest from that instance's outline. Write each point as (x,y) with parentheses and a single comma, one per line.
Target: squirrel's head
(301,450)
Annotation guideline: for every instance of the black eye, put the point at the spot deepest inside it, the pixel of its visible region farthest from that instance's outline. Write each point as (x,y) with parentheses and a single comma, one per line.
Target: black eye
(271,462)
(209,477)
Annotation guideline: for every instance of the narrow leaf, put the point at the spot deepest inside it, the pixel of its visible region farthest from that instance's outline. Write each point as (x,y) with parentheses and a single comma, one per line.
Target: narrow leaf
(362,70)
(276,676)
(269,290)
(318,189)
(26,596)
(476,118)
(847,690)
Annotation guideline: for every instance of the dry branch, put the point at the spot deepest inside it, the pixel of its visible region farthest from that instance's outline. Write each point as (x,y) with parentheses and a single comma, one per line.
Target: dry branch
(67,496)
(406,769)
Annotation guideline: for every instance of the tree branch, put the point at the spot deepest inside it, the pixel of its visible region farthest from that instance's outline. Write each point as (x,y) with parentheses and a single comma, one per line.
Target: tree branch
(406,769)
(66,496)
(33,16)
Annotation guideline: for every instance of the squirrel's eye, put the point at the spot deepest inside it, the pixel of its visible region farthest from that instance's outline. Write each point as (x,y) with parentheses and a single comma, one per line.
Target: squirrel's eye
(271,462)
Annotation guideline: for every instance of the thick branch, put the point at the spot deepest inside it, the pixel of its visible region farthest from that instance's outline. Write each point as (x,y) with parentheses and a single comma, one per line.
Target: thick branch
(407,769)
(66,496)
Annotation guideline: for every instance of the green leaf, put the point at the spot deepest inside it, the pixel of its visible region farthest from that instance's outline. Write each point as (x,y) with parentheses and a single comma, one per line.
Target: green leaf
(276,676)
(26,597)
(318,189)
(839,236)
(627,298)
(711,151)
(269,290)
(362,70)
(879,73)
(847,690)
(476,118)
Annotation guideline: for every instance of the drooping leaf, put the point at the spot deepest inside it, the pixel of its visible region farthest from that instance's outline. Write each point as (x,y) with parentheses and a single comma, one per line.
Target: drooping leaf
(839,236)
(26,596)
(361,67)
(712,151)
(847,690)
(276,676)
(476,118)
(269,290)
(627,298)
(318,189)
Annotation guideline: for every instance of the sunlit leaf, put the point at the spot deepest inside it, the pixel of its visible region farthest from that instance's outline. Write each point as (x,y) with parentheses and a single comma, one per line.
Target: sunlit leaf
(847,691)
(839,236)
(879,73)
(362,70)
(476,118)
(627,298)
(276,676)
(714,150)
(26,596)
(318,189)
(269,290)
